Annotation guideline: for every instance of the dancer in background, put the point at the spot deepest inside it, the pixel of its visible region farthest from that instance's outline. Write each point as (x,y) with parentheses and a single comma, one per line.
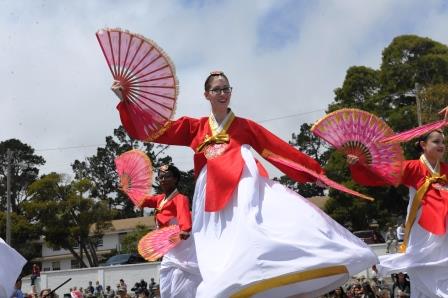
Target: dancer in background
(179,273)
(253,236)
(424,253)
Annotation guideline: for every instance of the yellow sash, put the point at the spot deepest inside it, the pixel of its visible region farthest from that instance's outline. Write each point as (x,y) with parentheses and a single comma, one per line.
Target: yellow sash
(163,203)
(417,201)
(218,136)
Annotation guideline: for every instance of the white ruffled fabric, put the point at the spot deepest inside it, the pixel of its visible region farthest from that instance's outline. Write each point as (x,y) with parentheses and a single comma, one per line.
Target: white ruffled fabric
(425,261)
(268,231)
(179,272)
(11,264)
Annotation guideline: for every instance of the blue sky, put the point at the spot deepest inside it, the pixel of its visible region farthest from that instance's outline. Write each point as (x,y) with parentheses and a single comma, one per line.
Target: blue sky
(283,58)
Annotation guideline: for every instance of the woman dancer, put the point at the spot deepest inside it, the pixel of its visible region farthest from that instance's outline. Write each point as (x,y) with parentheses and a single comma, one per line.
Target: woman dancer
(179,273)
(253,236)
(424,253)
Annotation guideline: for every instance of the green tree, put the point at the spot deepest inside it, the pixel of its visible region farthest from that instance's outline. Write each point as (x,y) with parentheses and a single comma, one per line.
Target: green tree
(130,241)
(361,85)
(24,236)
(411,59)
(411,66)
(100,169)
(433,99)
(308,143)
(24,171)
(67,217)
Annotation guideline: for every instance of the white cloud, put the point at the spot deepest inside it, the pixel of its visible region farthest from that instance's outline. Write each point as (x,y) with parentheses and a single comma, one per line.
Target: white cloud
(56,83)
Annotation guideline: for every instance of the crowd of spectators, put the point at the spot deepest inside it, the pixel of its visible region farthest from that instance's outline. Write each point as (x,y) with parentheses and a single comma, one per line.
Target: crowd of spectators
(397,286)
(140,290)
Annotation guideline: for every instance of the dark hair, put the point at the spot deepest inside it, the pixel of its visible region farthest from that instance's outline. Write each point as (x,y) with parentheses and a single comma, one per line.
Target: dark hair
(424,138)
(367,287)
(174,170)
(213,74)
(49,295)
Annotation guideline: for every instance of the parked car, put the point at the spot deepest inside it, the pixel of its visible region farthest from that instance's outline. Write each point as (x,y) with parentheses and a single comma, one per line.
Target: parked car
(124,259)
(369,236)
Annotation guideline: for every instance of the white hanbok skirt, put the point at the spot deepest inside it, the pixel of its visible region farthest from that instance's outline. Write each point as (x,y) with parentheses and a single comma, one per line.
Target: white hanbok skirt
(179,272)
(425,261)
(271,242)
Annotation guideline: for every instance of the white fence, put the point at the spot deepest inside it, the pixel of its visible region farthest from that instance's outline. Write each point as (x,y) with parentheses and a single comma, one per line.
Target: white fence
(111,275)
(107,276)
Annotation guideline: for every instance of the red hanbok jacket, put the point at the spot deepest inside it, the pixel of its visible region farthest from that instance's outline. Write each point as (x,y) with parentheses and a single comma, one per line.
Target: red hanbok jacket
(177,207)
(414,174)
(224,161)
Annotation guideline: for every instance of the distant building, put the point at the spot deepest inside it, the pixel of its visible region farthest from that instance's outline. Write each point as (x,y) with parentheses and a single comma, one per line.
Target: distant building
(61,259)
(319,201)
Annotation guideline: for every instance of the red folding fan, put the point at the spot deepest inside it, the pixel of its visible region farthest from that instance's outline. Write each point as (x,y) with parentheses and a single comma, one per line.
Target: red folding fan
(135,172)
(358,133)
(157,243)
(147,80)
(414,133)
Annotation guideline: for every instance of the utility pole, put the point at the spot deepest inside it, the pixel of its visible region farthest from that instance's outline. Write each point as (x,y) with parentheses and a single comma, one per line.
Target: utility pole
(8,196)
(419,104)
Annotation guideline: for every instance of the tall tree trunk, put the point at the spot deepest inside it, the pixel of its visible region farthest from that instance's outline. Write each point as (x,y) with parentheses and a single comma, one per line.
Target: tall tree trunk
(77,256)
(93,254)
(89,258)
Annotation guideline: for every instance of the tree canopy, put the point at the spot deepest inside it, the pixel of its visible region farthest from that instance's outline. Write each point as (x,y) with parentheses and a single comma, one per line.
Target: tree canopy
(412,67)
(100,170)
(67,217)
(24,171)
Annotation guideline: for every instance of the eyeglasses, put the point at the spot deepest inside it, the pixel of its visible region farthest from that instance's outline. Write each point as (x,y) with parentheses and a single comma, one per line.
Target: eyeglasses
(225,90)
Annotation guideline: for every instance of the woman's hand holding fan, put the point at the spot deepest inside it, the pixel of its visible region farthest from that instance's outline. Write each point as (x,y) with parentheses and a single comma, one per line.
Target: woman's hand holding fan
(358,134)
(117,89)
(157,243)
(134,170)
(144,80)
(352,159)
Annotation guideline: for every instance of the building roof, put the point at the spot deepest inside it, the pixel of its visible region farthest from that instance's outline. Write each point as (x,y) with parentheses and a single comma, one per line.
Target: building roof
(67,256)
(319,201)
(128,224)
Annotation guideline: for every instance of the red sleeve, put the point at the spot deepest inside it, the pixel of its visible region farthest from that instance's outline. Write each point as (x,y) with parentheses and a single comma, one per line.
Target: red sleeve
(149,201)
(177,132)
(180,132)
(414,173)
(363,175)
(411,173)
(265,140)
(183,213)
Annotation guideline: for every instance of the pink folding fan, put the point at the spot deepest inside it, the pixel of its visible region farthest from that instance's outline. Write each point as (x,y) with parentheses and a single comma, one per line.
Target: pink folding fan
(146,77)
(358,133)
(135,172)
(157,243)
